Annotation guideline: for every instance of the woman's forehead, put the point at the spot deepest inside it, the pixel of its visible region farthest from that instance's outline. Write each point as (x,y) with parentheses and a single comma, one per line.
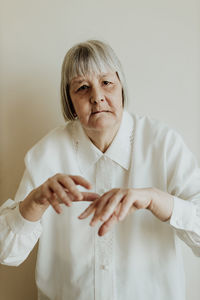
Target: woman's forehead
(89,76)
(84,68)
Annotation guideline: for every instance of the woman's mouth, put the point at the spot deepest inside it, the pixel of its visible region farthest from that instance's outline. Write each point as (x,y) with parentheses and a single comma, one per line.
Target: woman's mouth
(99,111)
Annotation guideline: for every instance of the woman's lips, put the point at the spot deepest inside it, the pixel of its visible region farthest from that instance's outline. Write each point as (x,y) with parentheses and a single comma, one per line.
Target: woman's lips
(99,111)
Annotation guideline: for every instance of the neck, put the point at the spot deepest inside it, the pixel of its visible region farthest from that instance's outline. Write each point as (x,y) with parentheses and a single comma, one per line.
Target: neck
(102,139)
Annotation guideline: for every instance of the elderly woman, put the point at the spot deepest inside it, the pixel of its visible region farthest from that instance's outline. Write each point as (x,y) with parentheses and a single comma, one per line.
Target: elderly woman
(132,176)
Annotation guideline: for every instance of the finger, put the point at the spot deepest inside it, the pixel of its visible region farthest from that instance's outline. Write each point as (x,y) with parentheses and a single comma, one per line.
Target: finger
(87,196)
(55,187)
(117,210)
(90,196)
(91,208)
(68,183)
(126,205)
(100,206)
(87,212)
(81,181)
(105,227)
(112,205)
(55,203)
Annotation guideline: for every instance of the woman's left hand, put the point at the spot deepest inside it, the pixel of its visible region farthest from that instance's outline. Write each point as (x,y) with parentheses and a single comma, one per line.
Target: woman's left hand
(117,203)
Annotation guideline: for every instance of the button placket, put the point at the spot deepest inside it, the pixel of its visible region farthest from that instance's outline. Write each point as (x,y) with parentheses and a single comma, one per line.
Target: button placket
(103,244)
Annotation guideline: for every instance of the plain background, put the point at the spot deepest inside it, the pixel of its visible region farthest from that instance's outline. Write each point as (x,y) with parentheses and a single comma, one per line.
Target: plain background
(158,43)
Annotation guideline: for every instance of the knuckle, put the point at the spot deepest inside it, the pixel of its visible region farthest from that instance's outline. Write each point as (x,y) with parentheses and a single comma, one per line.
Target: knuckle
(57,190)
(57,175)
(43,189)
(50,180)
(44,192)
(119,192)
(43,199)
(72,188)
(67,181)
(65,177)
(61,193)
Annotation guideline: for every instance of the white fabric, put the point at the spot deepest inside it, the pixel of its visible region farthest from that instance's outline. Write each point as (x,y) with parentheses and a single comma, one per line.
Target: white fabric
(140,258)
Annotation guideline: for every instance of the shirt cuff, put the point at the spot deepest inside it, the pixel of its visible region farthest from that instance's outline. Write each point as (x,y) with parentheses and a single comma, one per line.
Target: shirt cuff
(19,224)
(183,215)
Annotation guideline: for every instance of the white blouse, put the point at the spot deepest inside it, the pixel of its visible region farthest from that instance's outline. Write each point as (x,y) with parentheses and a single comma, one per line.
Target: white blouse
(140,257)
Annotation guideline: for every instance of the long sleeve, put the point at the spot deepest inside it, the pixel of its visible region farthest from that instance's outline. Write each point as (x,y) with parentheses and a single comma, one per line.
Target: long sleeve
(184,184)
(18,236)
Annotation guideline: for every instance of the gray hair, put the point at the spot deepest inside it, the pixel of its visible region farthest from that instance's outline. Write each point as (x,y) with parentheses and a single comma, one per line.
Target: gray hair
(84,58)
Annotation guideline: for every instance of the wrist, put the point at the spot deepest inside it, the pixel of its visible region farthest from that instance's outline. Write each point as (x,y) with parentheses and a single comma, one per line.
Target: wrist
(161,204)
(30,210)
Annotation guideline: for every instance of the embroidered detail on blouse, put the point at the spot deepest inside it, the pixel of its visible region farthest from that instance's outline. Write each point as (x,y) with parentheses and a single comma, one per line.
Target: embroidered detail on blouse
(105,248)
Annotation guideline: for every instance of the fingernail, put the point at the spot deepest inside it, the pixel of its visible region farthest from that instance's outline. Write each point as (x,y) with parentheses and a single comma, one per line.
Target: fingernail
(81,215)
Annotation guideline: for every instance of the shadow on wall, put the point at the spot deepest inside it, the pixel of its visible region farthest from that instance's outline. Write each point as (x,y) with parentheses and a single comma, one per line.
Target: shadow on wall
(30,111)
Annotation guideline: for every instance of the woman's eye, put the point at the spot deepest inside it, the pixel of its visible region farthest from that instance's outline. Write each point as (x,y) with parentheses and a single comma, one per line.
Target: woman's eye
(105,82)
(82,88)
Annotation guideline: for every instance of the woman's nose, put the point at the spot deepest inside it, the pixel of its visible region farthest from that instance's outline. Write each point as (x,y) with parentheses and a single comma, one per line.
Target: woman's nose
(96,95)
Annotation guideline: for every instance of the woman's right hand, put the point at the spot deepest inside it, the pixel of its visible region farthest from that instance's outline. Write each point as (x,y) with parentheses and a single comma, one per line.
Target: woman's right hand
(60,188)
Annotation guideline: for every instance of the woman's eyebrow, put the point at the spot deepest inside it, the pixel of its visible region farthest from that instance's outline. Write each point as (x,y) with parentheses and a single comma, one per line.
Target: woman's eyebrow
(77,81)
(80,80)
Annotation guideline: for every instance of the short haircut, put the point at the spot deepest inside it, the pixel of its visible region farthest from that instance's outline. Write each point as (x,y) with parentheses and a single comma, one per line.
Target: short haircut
(84,58)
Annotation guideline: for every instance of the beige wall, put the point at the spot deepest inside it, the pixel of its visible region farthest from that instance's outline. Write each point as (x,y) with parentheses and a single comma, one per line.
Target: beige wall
(158,43)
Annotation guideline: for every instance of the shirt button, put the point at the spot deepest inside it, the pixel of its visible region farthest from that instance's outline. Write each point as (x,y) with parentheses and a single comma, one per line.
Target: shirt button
(104,267)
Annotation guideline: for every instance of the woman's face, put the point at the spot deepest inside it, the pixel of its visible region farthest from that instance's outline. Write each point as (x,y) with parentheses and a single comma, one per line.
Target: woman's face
(97,99)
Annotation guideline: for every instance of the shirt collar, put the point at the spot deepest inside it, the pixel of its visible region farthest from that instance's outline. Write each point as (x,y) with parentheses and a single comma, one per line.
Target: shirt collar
(119,151)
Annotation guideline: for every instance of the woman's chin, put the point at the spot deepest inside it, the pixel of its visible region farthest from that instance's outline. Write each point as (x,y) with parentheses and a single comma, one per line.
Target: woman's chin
(103,123)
